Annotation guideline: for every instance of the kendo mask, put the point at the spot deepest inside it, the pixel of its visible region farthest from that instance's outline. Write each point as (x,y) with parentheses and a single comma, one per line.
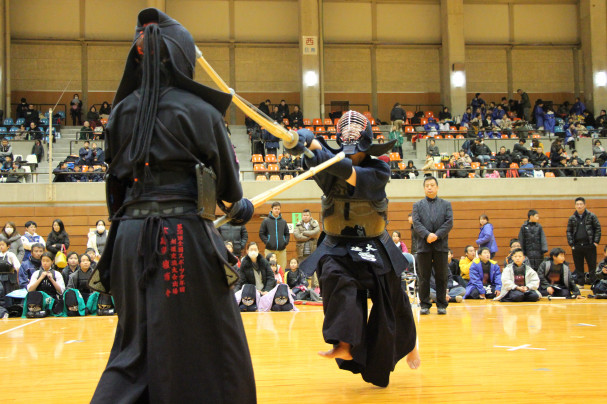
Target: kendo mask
(182,54)
(281,299)
(354,134)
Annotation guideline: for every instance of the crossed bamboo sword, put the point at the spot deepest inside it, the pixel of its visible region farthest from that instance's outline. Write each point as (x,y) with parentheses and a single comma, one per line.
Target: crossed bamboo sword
(290,139)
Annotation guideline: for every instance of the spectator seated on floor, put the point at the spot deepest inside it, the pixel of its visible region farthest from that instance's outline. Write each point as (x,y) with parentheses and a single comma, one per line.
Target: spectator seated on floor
(600,285)
(86,132)
(455,290)
(30,265)
(9,270)
(255,270)
(73,264)
(79,280)
(485,277)
(298,284)
(520,282)
(45,290)
(454,269)
(555,276)
(514,244)
(466,261)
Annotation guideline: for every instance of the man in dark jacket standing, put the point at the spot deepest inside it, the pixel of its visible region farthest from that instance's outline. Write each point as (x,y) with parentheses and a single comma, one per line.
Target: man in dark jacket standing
(533,239)
(583,235)
(525,105)
(237,235)
(274,233)
(432,222)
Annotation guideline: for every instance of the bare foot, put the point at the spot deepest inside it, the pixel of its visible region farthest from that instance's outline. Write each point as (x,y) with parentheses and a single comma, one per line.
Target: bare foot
(341,351)
(413,359)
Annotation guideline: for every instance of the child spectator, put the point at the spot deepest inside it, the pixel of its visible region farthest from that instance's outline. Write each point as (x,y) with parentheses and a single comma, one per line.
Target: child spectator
(465,261)
(398,242)
(72,266)
(453,265)
(80,278)
(555,276)
(533,239)
(485,277)
(38,150)
(514,244)
(520,282)
(455,290)
(298,284)
(396,134)
(13,239)
(600,285)
(278,274)
(9,271)
(58,239)
(30,238)
(486,238)
(48,281)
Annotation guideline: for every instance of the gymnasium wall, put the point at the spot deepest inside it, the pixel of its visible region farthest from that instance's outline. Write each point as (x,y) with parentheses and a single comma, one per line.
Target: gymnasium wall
(393,46)
(505,201)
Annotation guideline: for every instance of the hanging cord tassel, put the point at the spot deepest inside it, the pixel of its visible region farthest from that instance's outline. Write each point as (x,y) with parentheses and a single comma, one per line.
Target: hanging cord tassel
(148,247)
(139,152)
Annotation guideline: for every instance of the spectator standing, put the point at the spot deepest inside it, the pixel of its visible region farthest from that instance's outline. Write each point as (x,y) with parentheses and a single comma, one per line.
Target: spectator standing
(398,116)
(32,116)
(533,239)
(265,107)
(237,235)
(30,238)
(22,108)
(58,239)
(525,105)
(38,150)
(432,221)
(283,109)
(274,233)
(477,102)
(76,110)
(13,239)
(306,234)
(486,238)
(396,134)
(584,236)
(578,107)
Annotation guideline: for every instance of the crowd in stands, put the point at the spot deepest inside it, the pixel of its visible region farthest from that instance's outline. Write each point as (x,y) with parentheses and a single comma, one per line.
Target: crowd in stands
(88,166)
(53,280)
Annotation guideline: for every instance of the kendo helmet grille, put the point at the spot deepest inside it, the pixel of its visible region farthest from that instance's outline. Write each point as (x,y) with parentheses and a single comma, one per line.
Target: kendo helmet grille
(350,127)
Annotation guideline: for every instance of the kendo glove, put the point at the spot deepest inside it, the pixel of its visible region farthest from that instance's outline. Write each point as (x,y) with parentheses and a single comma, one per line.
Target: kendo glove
(304,140)
(341,169)
(240,212)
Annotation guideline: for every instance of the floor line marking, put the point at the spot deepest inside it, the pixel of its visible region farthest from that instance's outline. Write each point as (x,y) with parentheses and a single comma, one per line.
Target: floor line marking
(20,326)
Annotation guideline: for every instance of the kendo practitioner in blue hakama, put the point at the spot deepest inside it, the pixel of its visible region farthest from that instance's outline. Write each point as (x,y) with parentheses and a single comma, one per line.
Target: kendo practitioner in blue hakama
(357,256)
(180,336)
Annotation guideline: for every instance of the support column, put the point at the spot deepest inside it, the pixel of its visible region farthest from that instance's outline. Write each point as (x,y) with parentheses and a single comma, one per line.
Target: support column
(453,56)
(594,37)
(5,60)
(310,16)
(159,4)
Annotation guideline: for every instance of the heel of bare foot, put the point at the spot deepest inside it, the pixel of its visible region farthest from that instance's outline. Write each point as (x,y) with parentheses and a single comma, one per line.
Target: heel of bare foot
(413,359)
(339,351)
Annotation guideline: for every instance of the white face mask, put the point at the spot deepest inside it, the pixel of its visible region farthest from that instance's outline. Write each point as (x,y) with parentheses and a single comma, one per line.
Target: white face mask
(253,254)
(8,231)
(100,229)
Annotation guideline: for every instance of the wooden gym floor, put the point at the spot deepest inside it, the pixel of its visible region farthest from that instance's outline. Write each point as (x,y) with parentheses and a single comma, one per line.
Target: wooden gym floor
(481,351)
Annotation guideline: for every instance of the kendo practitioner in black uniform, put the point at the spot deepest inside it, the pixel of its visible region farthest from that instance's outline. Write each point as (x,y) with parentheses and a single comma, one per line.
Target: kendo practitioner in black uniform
(180,337)
(357,255)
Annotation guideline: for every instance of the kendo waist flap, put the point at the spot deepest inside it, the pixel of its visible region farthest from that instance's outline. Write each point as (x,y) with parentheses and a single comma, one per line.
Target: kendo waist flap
(352,218)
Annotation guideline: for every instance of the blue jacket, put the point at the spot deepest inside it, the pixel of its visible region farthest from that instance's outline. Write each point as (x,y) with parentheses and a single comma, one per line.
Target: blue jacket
(498,114)
(577,108)
(549,122)
(431,125)
(476,277)
(539,114)
(467,117)
(271,140)
(25,273)
(486,238)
